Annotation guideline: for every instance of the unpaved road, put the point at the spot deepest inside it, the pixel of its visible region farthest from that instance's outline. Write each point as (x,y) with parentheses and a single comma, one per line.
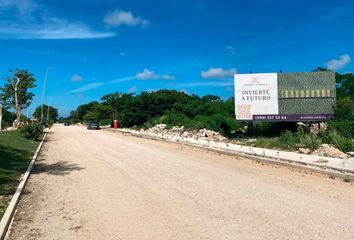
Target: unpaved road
(102,185)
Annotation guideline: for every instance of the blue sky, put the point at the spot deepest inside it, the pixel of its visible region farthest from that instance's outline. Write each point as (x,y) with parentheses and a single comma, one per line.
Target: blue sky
(99,47)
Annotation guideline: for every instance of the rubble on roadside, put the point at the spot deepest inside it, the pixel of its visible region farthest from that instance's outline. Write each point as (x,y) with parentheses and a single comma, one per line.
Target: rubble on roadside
(304,150)
(325,150)
(180,131)
(329,150)
(205,134)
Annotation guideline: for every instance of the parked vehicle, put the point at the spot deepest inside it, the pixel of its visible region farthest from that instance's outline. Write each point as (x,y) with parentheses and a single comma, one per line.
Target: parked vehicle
(66,124)
(93,125)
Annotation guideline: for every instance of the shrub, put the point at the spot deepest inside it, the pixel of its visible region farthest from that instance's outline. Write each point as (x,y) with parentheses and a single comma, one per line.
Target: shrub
(342,127)
(310,141)
(32,131)
(341,142)
(46,123)
(287,139)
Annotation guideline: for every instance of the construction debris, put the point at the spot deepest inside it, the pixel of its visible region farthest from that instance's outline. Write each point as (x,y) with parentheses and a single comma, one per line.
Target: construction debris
(304,150)
(205,134)
(180,131)
(329,150)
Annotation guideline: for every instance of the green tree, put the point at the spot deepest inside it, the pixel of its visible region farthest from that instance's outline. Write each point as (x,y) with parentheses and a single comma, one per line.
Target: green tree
(114,101)
(15,93)
(52,115)
(345,85)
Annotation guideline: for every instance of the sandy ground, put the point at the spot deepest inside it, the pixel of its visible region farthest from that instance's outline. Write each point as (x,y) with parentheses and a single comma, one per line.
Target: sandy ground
(102,185)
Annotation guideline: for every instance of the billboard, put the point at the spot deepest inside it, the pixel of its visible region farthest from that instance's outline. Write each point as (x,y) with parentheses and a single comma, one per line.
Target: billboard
(304,96)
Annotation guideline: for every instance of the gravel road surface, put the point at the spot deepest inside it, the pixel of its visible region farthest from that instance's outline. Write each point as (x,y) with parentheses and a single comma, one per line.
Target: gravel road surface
(103,185)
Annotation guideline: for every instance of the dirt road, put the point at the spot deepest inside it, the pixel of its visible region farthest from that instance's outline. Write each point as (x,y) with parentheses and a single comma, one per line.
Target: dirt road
(102,185)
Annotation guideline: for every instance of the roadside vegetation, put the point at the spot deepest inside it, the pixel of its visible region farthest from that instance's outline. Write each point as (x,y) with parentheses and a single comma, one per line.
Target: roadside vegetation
(16,92)
(15,153)
(175,108)
(18,145)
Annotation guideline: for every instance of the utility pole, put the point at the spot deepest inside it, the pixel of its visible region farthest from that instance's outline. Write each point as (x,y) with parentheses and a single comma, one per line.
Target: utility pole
(50,103)
(45,81)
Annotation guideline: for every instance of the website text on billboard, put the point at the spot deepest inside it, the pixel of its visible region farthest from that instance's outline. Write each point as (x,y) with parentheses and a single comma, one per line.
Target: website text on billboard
(304,96)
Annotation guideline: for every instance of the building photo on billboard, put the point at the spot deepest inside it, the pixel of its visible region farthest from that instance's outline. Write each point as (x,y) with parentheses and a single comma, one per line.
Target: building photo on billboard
(302,96)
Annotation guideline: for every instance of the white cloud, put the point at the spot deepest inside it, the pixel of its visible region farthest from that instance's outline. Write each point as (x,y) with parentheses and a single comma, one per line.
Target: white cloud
(76,78)
(25,19)
(54,28)
(133,89)
(230,49)
(336,64)
(63,30)
(87,87)
(120,17)
(218,73)
(147,75)
(125,79)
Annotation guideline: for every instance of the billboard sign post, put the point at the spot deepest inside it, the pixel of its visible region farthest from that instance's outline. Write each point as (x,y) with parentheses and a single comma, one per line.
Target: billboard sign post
(285,96)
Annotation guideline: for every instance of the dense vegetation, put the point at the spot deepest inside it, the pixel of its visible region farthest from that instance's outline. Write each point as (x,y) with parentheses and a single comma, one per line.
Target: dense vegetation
(17,147)
(177,108)
(49,113)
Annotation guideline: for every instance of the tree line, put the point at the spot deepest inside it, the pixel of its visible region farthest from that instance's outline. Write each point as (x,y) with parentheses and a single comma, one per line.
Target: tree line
(163,106)
(16,94)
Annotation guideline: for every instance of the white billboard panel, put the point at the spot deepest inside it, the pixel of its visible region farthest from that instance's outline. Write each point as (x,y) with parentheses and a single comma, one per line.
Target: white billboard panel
(256,94)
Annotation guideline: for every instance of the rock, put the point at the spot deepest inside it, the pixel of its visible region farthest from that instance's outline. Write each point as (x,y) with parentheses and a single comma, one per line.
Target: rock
(159,128)
(331,151)
(177,129)
(304,150)
(186,134)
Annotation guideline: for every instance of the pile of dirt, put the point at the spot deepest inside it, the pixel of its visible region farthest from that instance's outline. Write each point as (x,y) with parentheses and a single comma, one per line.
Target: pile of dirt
(330,151)
(180,131)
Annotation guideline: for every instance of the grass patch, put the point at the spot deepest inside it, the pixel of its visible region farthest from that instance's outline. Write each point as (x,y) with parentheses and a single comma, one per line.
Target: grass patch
(289,141)
(15,153)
